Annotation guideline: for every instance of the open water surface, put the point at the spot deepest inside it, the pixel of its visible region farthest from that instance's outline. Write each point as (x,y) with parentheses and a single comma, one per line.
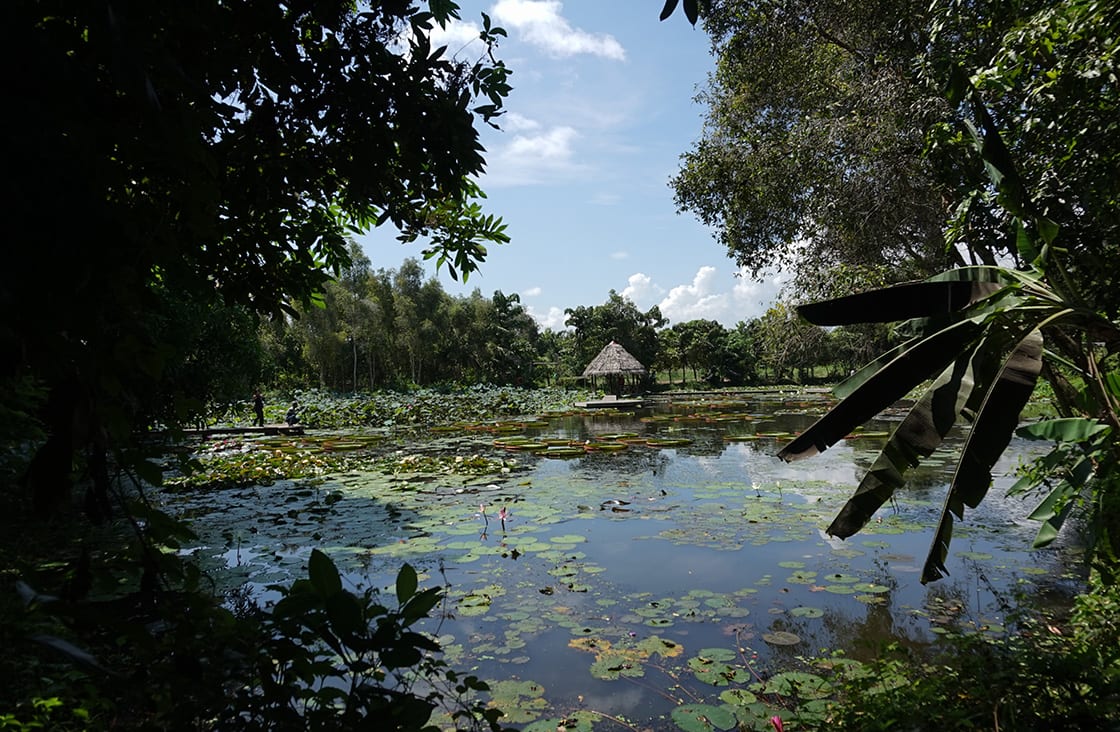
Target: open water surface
(629,582)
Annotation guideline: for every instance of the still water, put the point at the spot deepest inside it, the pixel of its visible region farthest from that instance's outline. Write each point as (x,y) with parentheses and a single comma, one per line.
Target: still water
(623,583)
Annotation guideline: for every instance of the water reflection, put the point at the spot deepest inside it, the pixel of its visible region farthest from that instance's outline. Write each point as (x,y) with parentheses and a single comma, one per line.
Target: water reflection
(710,543)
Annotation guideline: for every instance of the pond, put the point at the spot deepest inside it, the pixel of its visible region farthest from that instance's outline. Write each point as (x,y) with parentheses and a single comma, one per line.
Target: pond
(608,566)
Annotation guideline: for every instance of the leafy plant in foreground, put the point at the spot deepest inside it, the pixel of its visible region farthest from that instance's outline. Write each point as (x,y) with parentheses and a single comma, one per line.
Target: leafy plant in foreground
(978,331)
(338,660)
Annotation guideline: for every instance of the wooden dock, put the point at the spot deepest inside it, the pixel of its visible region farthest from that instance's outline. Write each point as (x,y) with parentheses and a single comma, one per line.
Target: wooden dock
(611,402)
(268,429)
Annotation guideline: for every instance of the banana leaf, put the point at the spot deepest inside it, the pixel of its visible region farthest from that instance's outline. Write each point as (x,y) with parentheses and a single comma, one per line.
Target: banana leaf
(921,361)
(890,304)
(916,437)
(1055,507)
(996,420)
(944,293)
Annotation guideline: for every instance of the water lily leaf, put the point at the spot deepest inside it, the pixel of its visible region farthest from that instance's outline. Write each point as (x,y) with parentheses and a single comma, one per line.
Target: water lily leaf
(802,578)
(781,638)
(579,721)
(841,578)
(661,647)
(707,655)
(796,685)
(737,697)
(520,701)
(703,717)
(806,612)
(568,539)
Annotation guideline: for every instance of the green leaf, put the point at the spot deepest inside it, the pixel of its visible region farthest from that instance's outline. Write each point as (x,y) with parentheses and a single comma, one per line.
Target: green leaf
(323,574)
(345,615)
(71,651)
(1056,506)
(703,717)
(991,432)
(915,438)
(420,604)
(407,583)
(890,304)
(1068,429)
(892,382)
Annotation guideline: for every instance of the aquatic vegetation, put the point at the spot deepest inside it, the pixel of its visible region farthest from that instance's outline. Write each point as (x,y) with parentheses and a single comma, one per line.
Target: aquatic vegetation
(675,556)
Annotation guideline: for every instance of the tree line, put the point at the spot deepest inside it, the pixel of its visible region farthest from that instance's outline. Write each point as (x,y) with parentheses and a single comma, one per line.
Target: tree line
(392,328)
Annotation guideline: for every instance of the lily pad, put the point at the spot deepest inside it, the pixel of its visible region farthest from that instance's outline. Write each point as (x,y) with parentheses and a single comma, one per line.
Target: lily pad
(703,717)
(796,685)
(737,697)
(781,638)
(568,539)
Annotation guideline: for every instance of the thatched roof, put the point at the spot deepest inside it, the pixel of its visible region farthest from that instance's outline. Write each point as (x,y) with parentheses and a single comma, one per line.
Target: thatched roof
(613,359)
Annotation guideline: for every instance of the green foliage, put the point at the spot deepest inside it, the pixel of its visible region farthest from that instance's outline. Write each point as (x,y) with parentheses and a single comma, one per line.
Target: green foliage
(323,657)
(615,320)
(339,660)
(982,328)
(416,407)
(259,137)
(1042,676)
(787,343)
(390,327)
(810,160)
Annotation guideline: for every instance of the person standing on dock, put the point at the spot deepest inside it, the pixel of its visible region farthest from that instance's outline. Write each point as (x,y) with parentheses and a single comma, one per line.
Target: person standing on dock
(258,408)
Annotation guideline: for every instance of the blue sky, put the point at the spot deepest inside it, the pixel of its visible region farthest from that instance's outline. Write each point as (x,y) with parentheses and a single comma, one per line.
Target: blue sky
(601,110)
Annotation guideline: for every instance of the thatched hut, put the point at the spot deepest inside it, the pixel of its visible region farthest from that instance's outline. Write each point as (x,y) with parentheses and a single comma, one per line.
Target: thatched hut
(617,367)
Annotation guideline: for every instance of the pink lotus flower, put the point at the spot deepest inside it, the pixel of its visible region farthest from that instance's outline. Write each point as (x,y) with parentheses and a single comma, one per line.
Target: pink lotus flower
(777,722)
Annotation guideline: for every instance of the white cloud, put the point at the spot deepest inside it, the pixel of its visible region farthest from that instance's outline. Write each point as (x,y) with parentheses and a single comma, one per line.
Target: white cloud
(531,292)
(541,24)
(534,158)
(456,36)
(708,296)
(619,256)
(641,290)
(752,297)
(516,122)
(553,319)
(698,299)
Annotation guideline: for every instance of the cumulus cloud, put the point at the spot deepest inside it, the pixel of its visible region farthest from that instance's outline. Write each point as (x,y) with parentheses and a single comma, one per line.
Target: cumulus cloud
(708,296)
(641,290)
(553,319)
(699,299)
(531,292)
(540,23)
(534,157)
(456,36)
(516,122)
(753,297)
(619,255)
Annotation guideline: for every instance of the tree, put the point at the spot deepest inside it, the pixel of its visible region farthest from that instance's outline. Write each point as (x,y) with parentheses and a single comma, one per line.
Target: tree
(700,343)
(741,353)
(785,342)
(615,320)
(811,155)
(214,148)
(979,332)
